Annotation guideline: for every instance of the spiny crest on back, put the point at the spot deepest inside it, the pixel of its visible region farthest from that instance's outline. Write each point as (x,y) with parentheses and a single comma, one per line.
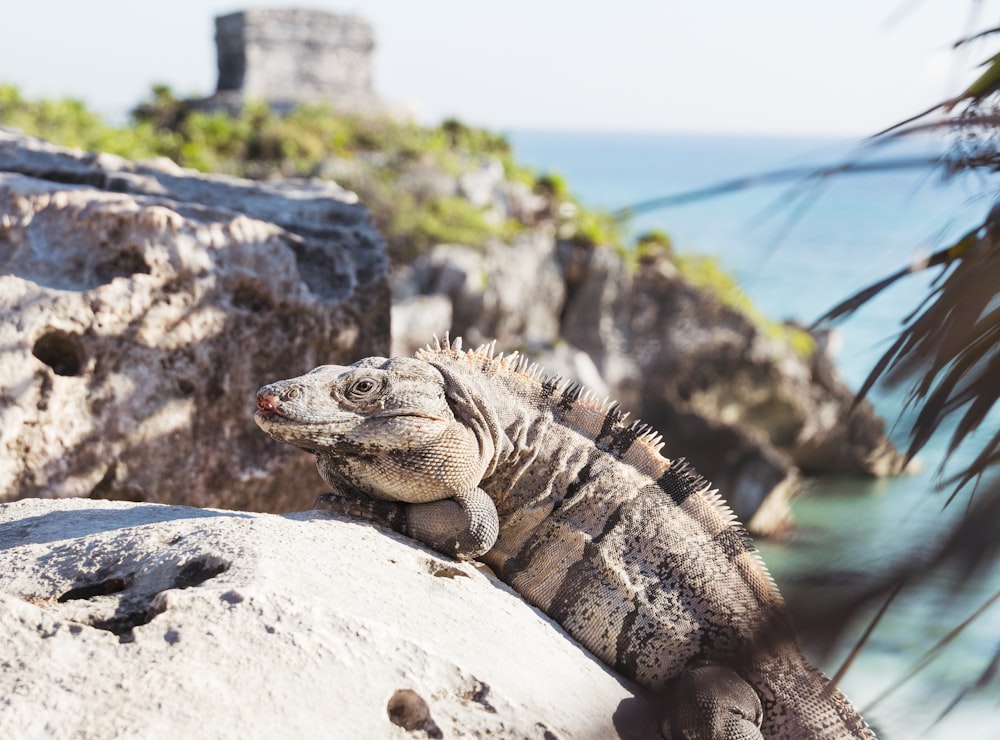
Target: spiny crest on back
(634,443)
(599,419)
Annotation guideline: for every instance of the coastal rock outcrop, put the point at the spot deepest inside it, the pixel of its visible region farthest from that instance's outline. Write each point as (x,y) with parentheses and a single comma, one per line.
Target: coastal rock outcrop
(743,406)
(141,620)
(717,385)
(141,306)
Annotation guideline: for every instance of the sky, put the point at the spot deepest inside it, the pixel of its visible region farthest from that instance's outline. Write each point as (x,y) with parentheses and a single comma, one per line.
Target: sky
(788,67)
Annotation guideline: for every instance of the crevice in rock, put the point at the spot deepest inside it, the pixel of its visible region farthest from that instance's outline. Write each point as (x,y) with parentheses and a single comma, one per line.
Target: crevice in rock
(479,694)
(103,488)
(195,572)
(123,624)
(90,590)
(253,296)
(61,351)
(446,571)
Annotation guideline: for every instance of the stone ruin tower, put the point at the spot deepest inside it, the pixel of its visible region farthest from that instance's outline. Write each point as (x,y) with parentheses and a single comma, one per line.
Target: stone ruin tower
(293,56)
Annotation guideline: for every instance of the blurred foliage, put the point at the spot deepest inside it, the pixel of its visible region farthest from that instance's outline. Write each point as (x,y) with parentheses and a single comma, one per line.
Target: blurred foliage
(655,239)
(647,249)
(947,355)
(70,123)
(949,348)
(551,185)
(371,155)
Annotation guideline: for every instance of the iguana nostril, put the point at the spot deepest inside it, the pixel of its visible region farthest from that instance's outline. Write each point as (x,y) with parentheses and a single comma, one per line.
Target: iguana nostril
(267,402)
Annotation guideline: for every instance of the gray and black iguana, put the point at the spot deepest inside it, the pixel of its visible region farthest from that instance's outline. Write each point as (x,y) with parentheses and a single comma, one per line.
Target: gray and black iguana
(480,456)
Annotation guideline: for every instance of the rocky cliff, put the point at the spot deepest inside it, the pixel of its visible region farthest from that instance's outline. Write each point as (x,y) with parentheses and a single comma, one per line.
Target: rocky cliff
(141,306)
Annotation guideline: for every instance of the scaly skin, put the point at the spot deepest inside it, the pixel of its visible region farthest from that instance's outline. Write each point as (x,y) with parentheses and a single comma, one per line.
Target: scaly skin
(632,553)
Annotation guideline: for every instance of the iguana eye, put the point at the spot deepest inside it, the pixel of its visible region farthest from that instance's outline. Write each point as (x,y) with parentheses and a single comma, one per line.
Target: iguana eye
(362,388)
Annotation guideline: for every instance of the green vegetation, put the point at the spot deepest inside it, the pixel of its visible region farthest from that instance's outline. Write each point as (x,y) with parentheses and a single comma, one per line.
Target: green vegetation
(68,122)
(705,272)
(655,241)
(372,156)
(405,173)
(552,186)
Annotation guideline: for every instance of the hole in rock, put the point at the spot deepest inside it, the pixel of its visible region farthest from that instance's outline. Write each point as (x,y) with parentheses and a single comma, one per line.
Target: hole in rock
(447,571)
(408,710)
(60,351)
(123,623)
(90,590)
(195,572)
(253,296)
(130,261)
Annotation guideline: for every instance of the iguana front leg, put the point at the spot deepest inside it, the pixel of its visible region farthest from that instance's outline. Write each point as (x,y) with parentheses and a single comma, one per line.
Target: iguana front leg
(712,702)
(464,526)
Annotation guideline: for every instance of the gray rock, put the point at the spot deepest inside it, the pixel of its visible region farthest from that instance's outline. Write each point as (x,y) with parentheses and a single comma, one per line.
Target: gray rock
(508,292)
(567,361)
(522,204)
(482,184)
(416,320)
(742,406)
(138,620)
(143,305)
(424,180)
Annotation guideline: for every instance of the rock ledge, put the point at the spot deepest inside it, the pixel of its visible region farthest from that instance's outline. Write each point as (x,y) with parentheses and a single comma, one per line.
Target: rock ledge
(143,620)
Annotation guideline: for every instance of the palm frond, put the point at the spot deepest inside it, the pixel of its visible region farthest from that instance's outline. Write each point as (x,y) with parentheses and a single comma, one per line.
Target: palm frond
(949,348)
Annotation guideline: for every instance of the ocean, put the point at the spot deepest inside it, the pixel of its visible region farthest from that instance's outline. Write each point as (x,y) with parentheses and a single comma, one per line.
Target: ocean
(797,248)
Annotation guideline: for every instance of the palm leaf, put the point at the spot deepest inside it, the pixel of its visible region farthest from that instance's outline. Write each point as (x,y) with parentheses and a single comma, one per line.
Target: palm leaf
(948,348)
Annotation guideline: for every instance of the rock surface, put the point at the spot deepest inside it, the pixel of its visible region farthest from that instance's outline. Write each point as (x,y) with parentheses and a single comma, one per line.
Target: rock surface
(139,620)
(670,348)
(141,306)
(511,293)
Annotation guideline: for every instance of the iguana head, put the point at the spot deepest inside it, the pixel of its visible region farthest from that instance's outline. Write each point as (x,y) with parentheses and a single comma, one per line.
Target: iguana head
(381,425)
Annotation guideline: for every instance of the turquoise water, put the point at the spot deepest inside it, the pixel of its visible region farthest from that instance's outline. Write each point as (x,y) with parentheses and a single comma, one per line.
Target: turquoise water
(797,249)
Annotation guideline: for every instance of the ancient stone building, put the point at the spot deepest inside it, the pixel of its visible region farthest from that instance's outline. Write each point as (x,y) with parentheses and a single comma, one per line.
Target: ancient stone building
(290,56)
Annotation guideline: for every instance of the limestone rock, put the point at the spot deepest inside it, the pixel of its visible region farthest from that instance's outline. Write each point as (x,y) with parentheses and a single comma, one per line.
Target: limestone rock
(416,320)
(567,361)
(143,305)
(140,620)
(508,292)
(742,406)
(483,184)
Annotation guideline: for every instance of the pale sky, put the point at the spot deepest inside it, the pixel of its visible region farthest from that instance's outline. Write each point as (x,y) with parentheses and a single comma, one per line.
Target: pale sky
(841,67)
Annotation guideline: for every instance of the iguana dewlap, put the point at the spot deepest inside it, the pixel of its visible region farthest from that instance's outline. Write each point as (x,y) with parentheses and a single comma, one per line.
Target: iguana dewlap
(479,456)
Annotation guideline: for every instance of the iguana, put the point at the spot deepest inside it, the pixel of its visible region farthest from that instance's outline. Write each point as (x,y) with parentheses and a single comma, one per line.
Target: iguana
(481,456)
